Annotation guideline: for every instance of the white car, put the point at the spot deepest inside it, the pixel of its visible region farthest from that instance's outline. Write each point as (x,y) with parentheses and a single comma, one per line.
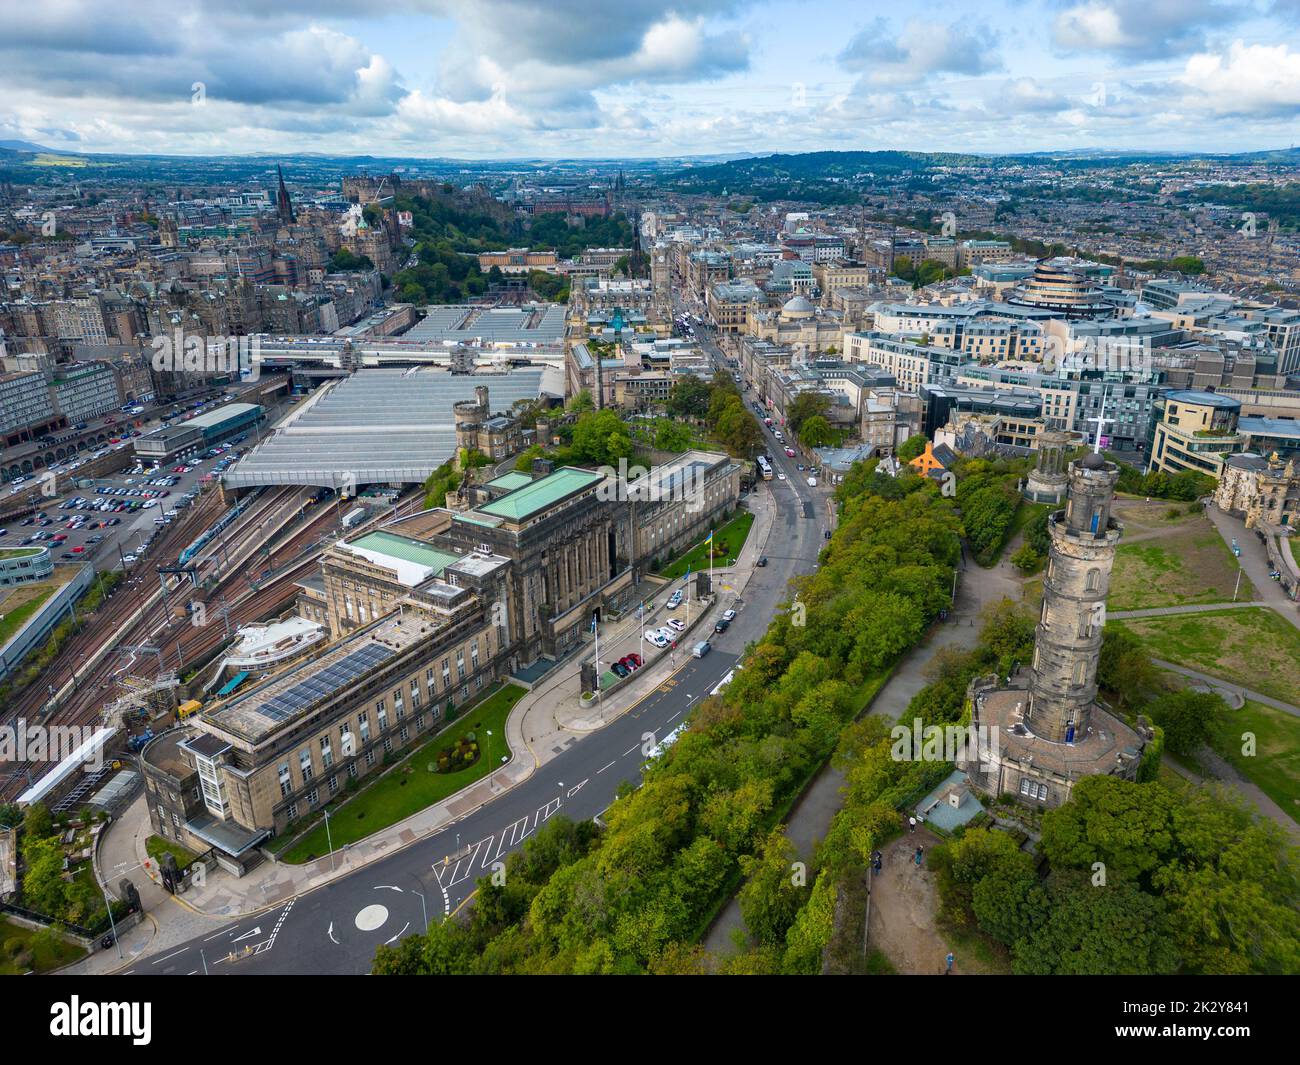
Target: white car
(780,476)
(149,503)
(728,615)
(677,626)
(656,637)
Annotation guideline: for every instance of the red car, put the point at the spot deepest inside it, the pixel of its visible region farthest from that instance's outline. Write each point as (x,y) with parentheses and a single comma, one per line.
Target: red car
(631,662)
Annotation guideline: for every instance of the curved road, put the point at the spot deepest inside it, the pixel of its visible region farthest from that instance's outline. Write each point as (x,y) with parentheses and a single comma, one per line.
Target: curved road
(337,927)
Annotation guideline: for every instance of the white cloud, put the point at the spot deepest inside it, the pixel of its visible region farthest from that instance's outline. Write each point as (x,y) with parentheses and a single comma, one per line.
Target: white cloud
(1251,79)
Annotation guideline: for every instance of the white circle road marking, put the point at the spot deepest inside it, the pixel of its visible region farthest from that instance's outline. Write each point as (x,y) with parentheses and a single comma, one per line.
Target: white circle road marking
(372,917)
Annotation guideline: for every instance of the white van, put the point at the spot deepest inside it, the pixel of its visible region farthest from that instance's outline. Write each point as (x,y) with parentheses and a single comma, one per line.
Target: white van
(812,482)
(702,648)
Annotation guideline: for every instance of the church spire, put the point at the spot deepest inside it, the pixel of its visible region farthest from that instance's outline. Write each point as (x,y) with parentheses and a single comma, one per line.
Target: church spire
(283,205)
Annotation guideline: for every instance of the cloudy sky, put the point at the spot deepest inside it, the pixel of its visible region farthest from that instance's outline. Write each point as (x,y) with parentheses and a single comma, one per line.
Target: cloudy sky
(511,78)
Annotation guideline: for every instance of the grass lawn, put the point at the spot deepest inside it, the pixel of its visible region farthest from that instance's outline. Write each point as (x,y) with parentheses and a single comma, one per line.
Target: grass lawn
(411,785)
(1275,765)
(1187,563)
(19,605)
(732,536)
(1252,647)
(48,952)
(157,847)
(1294,543)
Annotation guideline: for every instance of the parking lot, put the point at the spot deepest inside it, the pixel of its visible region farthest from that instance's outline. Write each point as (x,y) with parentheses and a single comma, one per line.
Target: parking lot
(117,518)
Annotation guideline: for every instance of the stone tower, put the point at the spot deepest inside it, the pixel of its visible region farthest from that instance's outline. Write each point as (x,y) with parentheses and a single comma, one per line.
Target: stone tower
(469,416)
(1048,480)
(1063,689)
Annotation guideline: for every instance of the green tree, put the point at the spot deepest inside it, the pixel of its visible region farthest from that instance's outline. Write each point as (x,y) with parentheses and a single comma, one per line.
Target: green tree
(912,447)
(671,436)
(689,397)
(817,432)
(807,405)
(1098,931)
(1189,718)
(601,437)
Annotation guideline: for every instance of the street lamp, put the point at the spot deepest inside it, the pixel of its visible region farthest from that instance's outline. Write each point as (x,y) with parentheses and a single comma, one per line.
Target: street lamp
(328,838)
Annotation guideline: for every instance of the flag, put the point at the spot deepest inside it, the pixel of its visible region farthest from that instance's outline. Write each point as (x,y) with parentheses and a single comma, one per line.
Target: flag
(594,617)
(709,541)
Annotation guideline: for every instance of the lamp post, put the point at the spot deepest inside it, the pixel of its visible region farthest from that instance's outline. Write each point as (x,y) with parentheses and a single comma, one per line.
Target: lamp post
(112,924)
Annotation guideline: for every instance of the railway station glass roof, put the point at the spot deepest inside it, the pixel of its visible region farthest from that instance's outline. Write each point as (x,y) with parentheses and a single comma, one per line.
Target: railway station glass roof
(378,426)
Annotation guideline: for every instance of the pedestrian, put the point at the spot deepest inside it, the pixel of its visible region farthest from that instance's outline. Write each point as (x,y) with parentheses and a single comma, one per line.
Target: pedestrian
(949,959)
(920,851)
(911,824)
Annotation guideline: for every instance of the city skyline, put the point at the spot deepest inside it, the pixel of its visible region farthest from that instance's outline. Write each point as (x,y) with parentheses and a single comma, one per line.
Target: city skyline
(513,79)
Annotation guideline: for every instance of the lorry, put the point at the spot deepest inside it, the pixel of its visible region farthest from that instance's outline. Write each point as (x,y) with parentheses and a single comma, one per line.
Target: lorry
(354,517)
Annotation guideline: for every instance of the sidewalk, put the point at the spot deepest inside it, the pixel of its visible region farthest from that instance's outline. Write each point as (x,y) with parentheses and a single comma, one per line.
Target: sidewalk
(542,724)
(1254,560)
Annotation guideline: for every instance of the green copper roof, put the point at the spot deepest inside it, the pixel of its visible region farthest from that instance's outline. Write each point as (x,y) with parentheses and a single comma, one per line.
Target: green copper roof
(540,494)
(408,550)
(510,481)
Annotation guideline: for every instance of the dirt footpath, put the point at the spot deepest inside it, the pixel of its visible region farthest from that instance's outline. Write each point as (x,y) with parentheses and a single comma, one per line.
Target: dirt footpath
(904,900)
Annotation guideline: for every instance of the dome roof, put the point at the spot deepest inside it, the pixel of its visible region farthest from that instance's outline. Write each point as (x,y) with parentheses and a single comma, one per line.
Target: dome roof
(797,307)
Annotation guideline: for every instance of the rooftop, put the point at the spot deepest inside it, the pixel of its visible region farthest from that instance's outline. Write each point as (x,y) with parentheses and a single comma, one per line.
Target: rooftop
(414,561)
(541,494)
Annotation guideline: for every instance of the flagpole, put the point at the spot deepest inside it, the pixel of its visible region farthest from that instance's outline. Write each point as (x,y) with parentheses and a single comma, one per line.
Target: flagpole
(595,627)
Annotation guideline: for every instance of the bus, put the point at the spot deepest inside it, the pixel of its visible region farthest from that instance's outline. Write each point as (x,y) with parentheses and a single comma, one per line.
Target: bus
(764,468)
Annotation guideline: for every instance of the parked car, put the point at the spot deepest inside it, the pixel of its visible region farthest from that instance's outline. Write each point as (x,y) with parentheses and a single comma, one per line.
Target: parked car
(657,638)
(722,625)
(762,561)
(675,625)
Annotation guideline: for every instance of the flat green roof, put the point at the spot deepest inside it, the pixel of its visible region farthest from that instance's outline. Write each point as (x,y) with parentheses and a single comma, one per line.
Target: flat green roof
(20,552)
(405,548)
(510,481)
(542,493)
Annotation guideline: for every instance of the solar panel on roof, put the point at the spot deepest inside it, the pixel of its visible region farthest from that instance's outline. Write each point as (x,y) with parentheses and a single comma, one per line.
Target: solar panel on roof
(329,680)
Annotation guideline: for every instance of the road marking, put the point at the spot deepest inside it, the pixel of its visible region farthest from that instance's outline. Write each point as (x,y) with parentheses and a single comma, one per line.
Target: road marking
(177,954)
(399,934)
(330,933)
(255,932)
(630,750)
(371,917)
(604,767)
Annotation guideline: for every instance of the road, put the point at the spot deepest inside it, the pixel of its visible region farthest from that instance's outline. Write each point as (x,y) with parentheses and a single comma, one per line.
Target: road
(337,928)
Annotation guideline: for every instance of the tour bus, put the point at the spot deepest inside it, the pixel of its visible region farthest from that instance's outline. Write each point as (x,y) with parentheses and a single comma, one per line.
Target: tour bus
(764,468)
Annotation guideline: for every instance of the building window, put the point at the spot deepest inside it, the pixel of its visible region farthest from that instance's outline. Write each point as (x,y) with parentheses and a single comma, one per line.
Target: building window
(399,705)
(446,673)
(460,665)
(352,770)
(415,693)
(381,716)
(326,752)
(430,679)
(1031,789)
(292,811)
(473,654)
(304,763)
(464,691)
(370,757)
(313,798)
(363,723)
(286,782)
(388,745)
(419,723)
(404,733)
(334,783)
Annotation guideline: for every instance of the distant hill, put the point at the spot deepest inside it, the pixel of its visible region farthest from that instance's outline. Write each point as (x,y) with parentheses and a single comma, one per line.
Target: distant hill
(24,146)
